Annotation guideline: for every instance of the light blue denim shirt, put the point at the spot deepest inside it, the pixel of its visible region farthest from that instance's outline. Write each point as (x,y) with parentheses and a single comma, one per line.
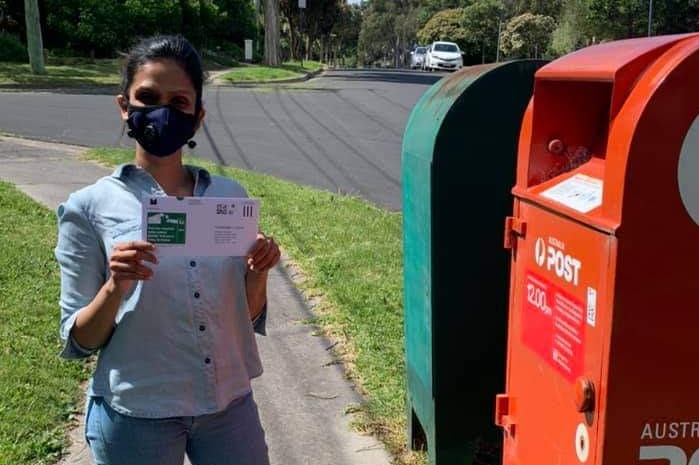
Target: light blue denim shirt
(183,343)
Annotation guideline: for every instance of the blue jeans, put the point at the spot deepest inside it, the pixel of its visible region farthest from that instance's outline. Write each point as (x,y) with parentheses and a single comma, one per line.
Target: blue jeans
(233,436)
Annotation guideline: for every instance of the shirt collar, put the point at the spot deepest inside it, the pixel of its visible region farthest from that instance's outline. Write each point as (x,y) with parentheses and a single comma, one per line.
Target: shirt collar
(202,179)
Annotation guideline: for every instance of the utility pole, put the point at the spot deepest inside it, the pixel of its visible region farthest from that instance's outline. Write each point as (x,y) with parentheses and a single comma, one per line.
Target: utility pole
(35,47)
(650,16)
(302,7)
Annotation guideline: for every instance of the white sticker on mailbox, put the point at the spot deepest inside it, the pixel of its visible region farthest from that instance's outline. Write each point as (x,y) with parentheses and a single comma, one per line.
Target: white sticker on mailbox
(591,306)
(580,192)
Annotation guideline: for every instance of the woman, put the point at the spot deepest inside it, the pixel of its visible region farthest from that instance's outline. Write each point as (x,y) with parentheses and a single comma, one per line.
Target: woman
(174,335)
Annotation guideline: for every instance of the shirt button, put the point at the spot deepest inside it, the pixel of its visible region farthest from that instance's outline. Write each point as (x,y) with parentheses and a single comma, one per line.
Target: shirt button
(192,263)
(202,327)
(196,295)
(207,360)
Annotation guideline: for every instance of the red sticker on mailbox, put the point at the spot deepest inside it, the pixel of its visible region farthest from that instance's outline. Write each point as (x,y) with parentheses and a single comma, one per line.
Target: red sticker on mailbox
(553,325)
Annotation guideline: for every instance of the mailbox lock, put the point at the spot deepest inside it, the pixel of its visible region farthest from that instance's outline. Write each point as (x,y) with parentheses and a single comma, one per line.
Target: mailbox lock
(556,146)
(584,395)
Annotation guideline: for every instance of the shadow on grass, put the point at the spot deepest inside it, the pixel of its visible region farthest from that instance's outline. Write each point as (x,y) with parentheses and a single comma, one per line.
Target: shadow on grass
(76,87)
(103,75)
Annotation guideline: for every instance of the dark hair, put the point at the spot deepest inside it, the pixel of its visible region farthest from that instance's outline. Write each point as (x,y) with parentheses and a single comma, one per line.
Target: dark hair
(161,47)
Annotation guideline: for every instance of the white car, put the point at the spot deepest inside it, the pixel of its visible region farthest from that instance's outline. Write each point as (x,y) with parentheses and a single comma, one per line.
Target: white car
(443,55)
(417,57)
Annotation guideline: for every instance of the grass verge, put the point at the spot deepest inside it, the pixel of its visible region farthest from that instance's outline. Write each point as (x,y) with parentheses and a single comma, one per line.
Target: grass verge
(39,391)
(256,73)
(350,253)
(97,73)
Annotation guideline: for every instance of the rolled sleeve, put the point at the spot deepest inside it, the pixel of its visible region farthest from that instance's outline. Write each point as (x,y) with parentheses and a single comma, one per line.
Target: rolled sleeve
(81,260)
(71,349)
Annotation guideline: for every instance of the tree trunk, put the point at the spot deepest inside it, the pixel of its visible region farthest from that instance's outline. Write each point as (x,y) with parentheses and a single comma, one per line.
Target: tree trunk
(272,33)
(35,46)
(292,43)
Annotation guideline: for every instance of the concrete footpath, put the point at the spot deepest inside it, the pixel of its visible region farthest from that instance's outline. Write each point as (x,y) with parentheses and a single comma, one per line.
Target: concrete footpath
(302,395)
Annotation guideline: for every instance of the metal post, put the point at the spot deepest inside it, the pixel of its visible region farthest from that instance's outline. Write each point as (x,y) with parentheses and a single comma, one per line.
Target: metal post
(302,6)
(497,51)
(650,16)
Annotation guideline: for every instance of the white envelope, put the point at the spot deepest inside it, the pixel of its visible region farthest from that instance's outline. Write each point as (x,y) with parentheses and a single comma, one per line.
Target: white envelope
(200,226)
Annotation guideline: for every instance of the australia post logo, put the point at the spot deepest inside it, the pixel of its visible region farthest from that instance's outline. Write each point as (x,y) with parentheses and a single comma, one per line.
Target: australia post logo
(669,454)
(551,256)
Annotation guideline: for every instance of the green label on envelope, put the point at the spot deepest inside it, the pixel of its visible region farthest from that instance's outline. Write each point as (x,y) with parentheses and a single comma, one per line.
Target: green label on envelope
(166,228)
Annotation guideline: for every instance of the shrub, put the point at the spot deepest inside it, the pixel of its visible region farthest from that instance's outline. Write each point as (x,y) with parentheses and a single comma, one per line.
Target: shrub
(218,59)
(12,49)
(234,50)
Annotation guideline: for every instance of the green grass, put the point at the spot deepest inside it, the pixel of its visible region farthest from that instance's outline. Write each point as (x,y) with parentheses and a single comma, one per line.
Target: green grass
(351,255)
(97,73)
(256,73)
(38,390)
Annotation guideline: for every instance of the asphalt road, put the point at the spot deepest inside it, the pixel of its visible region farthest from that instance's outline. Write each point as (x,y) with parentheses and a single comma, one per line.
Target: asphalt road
(340,132)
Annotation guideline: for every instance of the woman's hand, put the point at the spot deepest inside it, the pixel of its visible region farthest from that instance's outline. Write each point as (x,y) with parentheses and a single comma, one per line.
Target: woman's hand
(263,255)
(126,263)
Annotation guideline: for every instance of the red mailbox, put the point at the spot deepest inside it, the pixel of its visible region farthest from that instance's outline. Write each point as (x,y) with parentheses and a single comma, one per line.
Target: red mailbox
(604,316)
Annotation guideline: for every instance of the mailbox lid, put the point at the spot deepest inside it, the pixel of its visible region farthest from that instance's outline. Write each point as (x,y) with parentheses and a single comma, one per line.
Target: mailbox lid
(604,61)
(559,315)
(583,102)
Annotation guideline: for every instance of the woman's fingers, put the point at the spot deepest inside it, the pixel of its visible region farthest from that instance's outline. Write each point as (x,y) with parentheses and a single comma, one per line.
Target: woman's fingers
(264,255)
(134,251)
(136,244)
(120,270)
(268,262)
(125,260)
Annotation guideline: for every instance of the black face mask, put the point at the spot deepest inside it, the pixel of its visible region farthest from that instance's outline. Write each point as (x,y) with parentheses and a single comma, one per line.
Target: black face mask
(160,129)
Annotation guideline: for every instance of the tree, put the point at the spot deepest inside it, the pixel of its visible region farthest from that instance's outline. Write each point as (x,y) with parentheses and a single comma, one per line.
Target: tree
(11,13)
(675,16)
(572,31)
(148,17)
(272,43)
(228,21)
(291,12)
(527,35)
(435,6)
(618,18)
(551,8)
(35,46)
(481,24)
(374,37)
(445,25)
(346,31)
(96,29)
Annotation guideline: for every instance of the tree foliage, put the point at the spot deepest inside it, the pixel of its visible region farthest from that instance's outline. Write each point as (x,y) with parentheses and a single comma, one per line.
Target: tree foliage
(446,25)
(375,31)
(481,23)
(527,35)
(105,27)
(546,28)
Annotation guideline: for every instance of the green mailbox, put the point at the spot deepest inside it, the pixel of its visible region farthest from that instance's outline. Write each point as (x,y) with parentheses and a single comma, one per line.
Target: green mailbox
(458,167)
